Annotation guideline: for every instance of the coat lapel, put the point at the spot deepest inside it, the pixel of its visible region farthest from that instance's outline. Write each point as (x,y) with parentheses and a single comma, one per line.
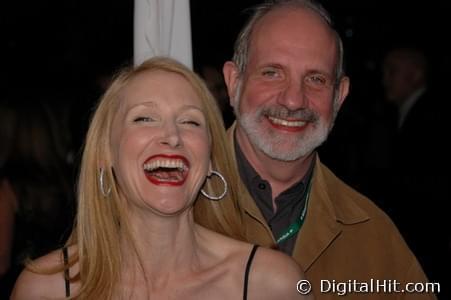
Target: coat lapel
(320,227)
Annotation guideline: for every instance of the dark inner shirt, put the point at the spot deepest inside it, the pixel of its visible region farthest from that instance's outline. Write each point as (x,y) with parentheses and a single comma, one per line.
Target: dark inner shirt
(290,202)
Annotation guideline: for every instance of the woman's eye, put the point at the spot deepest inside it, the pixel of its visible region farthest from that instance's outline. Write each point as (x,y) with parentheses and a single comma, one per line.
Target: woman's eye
(142,119)
(191,122)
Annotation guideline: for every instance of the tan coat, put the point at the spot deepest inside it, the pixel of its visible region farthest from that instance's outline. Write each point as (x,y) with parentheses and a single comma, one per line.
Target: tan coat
(345,238)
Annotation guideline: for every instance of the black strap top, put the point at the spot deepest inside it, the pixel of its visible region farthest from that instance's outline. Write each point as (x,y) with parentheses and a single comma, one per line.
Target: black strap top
(246,272)
(66,271)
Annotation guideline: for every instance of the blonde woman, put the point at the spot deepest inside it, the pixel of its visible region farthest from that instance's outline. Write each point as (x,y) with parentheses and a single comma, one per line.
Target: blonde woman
(154,147)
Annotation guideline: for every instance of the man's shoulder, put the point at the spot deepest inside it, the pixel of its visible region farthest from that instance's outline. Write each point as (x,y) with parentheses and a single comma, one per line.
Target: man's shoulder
(360,220)
(349,204)
(367,243)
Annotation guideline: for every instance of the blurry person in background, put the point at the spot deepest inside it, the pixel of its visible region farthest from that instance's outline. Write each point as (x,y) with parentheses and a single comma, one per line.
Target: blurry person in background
(418,176)
(405,74)
(36,187)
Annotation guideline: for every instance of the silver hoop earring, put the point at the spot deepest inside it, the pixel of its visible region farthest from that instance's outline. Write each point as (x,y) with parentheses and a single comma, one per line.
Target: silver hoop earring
(225,188)
(105,191)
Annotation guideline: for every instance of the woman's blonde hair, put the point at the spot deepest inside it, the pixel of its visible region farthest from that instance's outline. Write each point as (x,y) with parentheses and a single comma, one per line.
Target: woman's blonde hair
(101,221)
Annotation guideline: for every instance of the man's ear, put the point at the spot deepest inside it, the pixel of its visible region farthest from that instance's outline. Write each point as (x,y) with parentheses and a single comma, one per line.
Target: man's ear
(231,78)
(343,90)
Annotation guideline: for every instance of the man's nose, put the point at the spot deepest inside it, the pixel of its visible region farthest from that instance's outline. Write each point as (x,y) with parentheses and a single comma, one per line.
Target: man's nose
(293,96)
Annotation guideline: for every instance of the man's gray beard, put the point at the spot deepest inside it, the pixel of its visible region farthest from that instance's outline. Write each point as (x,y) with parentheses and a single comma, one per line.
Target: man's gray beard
(278,146)
(275,145)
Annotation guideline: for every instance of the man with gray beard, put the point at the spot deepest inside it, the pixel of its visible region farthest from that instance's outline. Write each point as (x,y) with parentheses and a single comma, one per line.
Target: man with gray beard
(286,84)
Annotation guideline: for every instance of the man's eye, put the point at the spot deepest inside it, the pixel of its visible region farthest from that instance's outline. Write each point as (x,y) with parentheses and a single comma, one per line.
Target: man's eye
(318,80)
(269,73)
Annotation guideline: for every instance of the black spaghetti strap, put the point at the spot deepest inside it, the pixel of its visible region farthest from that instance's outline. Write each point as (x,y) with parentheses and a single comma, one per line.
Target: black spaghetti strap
(66,271)
(246,273)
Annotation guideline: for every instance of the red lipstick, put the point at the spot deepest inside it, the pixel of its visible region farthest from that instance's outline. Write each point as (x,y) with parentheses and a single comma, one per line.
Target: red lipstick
(167,170)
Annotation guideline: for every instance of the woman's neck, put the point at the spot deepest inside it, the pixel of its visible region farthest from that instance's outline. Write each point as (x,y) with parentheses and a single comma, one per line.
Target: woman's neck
(164,245)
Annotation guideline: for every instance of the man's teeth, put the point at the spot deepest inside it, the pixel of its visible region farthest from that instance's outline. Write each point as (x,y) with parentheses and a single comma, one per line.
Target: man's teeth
(287,123)
(166,163)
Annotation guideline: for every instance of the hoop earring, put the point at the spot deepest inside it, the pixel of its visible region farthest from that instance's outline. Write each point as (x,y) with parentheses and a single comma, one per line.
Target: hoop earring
(105,191)
(225,187)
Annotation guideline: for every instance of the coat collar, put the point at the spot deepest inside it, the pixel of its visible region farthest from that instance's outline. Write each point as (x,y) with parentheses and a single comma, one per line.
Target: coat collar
(247,203)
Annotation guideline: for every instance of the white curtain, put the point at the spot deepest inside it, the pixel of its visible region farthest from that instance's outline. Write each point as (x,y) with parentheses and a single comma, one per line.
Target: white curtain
(162,27)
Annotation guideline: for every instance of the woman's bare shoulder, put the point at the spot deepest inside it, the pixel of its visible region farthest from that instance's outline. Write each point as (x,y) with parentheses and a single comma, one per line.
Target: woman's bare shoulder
(44,283)
(274,275)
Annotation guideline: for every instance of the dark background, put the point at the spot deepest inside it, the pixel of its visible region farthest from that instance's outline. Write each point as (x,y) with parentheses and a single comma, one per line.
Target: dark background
(73,41)
(65,49)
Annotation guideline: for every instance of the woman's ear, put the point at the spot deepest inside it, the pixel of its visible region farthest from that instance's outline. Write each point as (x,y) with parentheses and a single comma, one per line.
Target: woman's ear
(210,168)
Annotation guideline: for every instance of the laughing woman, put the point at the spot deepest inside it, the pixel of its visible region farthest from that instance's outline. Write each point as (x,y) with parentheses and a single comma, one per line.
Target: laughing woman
(154,147)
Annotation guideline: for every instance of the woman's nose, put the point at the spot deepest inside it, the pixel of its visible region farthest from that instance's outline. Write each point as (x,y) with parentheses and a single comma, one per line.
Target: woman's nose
(170,135)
